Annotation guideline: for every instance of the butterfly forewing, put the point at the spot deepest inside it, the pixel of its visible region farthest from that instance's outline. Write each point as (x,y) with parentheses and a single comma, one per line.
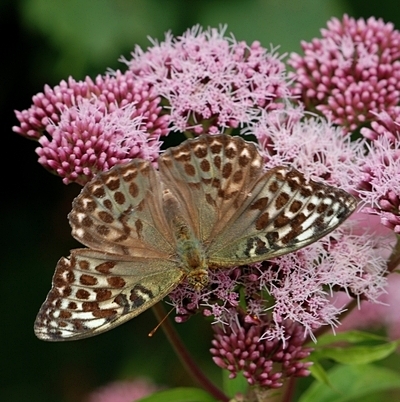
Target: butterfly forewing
(95,291)
(212,177)
(120,212)
(283,214)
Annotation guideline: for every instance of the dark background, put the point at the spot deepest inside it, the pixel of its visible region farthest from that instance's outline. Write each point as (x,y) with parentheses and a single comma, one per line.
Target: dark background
(43,42)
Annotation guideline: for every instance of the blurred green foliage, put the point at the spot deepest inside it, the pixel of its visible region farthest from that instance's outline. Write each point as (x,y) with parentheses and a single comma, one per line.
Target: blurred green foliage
(45,42)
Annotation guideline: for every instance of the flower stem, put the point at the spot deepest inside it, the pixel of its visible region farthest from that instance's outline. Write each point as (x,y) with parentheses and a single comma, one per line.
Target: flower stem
(289,391)
(394,259)
(184,356)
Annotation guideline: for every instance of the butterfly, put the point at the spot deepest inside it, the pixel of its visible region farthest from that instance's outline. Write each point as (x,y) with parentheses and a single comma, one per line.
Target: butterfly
(210,204)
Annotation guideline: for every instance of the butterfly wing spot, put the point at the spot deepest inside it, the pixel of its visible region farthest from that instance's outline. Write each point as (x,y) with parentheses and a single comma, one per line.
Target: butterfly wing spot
(122,301)
(116,282)
(205,165)
(237,176)
(256,246)
(119,198)
(106,217)
(217,162)
(295,206)
(105,267)
(133,189)
(88,280)
(260,204)
(189,169)
(97,190)
(281,200)
(103,294)
(72,306)
(108,204)
(262,221)
(227,170)
(82,294)
(112,183)
(139,295)
(87,221)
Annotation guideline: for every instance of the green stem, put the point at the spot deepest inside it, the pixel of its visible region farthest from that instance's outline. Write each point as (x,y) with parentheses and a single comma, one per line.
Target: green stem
(184,356)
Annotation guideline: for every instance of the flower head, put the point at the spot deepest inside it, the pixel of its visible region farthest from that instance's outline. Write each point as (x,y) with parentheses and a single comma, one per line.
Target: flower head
(88,140)
(379,184)
(387,123)
(308,143)
(211,82)
(86,127)
(266,363)
(112,91)
(352,72)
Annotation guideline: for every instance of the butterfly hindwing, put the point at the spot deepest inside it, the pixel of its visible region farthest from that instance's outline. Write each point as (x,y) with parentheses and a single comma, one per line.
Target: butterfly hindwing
(93,291)
(283,214)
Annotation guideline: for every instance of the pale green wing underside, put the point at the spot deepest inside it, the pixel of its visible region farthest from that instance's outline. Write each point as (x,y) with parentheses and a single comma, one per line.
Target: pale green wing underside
(93,292)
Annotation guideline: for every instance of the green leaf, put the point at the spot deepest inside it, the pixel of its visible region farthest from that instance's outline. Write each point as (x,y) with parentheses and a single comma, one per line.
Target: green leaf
(320,374)
(350,382)
(179,395)
(349,336)
(233,386)
(355,354)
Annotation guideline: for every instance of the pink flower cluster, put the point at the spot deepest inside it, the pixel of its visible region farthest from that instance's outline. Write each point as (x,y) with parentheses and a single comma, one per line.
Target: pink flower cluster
(351,73)
(84,127)
(352,76)
(212,83)
(201,82)
(379,184)
(265,363)
(309,144)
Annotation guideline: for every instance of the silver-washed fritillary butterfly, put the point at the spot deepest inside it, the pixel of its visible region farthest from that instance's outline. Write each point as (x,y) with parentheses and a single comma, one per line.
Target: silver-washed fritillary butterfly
(210,205)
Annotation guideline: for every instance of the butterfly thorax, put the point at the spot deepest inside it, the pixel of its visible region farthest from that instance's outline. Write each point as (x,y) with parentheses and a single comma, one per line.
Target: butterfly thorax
(189,250)
(192,258)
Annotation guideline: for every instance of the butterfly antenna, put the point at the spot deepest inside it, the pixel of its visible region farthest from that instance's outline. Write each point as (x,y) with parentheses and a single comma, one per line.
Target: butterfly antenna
(153,331)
